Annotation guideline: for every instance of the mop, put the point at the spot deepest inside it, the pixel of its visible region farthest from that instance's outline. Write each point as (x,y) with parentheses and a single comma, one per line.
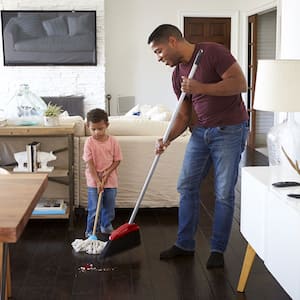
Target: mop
(127,236)
(91,245)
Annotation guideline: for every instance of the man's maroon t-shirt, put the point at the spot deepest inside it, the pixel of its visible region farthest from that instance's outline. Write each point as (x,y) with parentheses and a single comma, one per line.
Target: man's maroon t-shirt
(212,111)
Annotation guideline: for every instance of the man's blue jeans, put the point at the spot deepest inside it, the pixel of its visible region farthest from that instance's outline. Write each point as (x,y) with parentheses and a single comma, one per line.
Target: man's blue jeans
(107,210)
(222,147)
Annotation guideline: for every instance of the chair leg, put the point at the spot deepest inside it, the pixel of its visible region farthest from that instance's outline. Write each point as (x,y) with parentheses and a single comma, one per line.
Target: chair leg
(8,276)
(247,265)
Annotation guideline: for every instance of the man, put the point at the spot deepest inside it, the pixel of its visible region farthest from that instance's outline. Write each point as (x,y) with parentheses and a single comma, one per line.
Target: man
(216,115)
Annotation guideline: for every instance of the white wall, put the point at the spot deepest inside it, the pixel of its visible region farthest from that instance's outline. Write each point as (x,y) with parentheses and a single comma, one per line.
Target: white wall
(58,80)
(131,67)
(128,67)
(290,23)
(290,43)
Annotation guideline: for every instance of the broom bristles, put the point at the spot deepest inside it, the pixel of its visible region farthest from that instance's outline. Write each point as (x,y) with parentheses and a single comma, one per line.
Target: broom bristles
(121,244)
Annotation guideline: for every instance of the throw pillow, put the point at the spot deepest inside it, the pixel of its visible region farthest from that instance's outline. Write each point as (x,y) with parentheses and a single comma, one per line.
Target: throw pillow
(134,111)
(31,25)
(159,112)
(163,116)
(79,25)
(56,26)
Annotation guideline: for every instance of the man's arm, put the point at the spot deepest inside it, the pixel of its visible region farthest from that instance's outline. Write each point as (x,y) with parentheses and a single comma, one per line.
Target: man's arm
(233,82)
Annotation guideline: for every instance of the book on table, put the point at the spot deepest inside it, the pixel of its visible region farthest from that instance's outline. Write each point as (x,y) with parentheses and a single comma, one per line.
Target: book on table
(50,207)
(32,160)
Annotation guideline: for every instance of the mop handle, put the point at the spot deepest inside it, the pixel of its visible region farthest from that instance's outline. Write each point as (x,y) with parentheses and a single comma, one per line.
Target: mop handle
(97,212)
(165,138)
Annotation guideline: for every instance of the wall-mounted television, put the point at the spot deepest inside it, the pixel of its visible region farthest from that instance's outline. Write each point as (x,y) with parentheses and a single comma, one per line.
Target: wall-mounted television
(49,37)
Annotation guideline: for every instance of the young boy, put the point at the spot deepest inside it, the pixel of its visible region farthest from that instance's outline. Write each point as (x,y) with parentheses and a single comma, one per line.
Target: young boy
(102,155)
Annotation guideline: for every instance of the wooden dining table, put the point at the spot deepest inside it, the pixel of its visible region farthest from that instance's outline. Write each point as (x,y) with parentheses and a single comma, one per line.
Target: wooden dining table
(19,194)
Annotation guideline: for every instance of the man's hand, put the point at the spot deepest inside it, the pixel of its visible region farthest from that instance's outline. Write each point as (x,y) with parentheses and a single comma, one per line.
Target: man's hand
(160,147)
(190,86)
(233,83)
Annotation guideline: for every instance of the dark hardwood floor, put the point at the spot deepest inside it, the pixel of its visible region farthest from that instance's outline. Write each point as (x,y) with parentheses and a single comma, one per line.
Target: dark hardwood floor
(44,265)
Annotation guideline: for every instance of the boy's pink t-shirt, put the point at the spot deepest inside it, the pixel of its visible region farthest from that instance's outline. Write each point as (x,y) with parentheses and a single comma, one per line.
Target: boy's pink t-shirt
(103,155)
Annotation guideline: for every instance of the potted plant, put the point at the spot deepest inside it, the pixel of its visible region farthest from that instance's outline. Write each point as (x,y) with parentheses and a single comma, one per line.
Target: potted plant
(51,114)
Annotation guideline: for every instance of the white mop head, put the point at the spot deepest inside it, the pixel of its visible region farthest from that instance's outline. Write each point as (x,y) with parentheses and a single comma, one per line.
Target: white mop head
(89,246)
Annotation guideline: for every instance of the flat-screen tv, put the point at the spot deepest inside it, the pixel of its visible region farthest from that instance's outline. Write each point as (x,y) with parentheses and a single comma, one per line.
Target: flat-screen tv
(49,37)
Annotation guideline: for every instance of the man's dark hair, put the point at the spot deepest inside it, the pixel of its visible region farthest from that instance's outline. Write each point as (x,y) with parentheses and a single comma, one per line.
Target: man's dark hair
(163,32)
(97,115)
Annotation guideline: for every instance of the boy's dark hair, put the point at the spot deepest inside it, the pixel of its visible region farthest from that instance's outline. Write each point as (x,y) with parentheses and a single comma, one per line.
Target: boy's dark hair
(97,115)
(163,32)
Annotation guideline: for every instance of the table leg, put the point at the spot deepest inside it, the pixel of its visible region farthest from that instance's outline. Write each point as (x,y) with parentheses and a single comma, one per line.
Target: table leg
(5,272)
(71,180)
(8,276)
(247,265)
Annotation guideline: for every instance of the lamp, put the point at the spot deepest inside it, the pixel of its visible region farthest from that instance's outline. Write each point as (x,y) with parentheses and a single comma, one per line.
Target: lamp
(277,90)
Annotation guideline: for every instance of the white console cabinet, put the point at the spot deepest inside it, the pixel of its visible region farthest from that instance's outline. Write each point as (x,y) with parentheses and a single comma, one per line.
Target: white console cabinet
(270,222)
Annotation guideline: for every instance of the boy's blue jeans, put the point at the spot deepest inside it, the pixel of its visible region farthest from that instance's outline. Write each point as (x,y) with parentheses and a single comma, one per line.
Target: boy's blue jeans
(222,147)
(107,210)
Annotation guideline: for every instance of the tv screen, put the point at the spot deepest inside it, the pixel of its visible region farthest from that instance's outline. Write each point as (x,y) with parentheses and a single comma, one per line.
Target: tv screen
(49,37)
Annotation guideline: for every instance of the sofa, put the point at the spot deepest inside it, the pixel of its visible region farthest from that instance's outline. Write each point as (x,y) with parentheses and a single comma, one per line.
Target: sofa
(137,137)
(56,38)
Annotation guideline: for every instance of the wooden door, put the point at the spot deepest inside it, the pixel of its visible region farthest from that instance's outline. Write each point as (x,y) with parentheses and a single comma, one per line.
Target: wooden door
(217,30)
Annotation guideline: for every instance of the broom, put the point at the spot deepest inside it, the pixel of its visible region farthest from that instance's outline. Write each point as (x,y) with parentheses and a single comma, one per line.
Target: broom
(91,245)
(127,236)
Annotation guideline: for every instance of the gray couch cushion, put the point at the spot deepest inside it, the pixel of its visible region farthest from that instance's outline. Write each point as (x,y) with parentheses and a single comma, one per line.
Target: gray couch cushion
(31,25)
(79,25)
(56,26)
(57,43)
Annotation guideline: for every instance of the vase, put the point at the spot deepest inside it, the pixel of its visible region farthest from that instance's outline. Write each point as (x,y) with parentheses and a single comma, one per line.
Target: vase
(284,144)
(25,108)
(51,121)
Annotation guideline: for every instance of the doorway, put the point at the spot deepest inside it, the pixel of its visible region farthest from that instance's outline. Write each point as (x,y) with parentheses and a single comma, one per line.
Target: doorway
(261,45)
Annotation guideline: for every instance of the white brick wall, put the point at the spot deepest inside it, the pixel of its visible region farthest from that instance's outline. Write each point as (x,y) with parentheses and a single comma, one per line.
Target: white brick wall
(88,81)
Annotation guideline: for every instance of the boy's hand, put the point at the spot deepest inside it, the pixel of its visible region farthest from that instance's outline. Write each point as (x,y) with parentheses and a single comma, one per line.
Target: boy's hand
(100,186)
(105,175)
